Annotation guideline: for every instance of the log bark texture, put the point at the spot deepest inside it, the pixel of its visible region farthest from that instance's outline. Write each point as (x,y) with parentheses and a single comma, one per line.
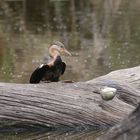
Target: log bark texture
(70,105)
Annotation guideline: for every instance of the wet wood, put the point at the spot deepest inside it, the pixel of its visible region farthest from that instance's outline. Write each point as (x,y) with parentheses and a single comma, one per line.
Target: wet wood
(70,105)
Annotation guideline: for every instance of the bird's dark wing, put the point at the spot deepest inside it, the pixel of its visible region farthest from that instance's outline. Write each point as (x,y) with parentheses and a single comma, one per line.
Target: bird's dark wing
(63,68)
(38,74)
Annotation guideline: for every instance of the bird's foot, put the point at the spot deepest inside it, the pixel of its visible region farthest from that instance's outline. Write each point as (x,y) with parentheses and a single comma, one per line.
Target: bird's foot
(67,81)
(46,81)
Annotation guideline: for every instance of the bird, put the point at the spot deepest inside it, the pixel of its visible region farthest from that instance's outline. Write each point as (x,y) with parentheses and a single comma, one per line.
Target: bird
(51,71)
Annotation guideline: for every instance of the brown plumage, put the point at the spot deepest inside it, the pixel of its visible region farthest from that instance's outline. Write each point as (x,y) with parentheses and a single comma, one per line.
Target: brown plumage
(52,70)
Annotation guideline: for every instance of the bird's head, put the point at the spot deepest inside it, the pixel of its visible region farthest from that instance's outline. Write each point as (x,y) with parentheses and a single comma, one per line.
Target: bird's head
(58,47)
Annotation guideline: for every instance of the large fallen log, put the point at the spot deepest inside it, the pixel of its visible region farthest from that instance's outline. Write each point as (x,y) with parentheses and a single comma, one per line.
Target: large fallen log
(70,105)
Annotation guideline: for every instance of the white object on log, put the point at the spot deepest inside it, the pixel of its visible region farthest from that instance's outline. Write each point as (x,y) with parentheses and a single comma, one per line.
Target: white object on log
(108,93)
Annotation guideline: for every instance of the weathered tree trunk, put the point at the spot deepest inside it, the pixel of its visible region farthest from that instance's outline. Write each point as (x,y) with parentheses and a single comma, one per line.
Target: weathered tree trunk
(61,105)
(128,129)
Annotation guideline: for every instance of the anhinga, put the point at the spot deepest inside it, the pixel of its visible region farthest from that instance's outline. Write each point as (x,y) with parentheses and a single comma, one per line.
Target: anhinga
(52,70)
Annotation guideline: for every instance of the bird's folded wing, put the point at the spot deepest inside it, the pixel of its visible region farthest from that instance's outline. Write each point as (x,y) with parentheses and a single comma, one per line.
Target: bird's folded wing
(38,73)
(64,67)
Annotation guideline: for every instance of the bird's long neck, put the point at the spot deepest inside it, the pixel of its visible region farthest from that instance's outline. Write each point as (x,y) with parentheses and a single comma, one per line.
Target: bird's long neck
(54,53)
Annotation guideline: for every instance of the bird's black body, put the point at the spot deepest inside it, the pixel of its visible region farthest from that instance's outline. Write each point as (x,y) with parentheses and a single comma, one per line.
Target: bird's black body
(49,73)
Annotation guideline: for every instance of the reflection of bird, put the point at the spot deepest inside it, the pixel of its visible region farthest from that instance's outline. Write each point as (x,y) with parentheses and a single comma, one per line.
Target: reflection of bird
(52,70)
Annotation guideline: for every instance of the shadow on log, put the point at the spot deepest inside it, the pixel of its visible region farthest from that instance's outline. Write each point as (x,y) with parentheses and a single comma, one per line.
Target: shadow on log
(70,105)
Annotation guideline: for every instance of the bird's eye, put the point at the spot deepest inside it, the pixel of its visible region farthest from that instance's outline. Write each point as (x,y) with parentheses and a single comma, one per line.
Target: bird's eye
(61,46)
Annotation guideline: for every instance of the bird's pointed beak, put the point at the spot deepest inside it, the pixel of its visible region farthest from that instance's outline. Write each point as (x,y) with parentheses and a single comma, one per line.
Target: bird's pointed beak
(67,52)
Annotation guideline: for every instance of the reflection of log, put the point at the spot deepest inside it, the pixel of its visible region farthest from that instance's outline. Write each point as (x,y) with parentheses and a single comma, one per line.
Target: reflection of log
(128,129)
(69,104)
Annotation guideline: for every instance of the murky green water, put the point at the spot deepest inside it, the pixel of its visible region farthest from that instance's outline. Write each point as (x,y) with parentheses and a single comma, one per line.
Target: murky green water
(102,36)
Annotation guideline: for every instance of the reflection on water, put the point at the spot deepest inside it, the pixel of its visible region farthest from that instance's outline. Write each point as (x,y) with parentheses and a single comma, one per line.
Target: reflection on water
(102,36)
